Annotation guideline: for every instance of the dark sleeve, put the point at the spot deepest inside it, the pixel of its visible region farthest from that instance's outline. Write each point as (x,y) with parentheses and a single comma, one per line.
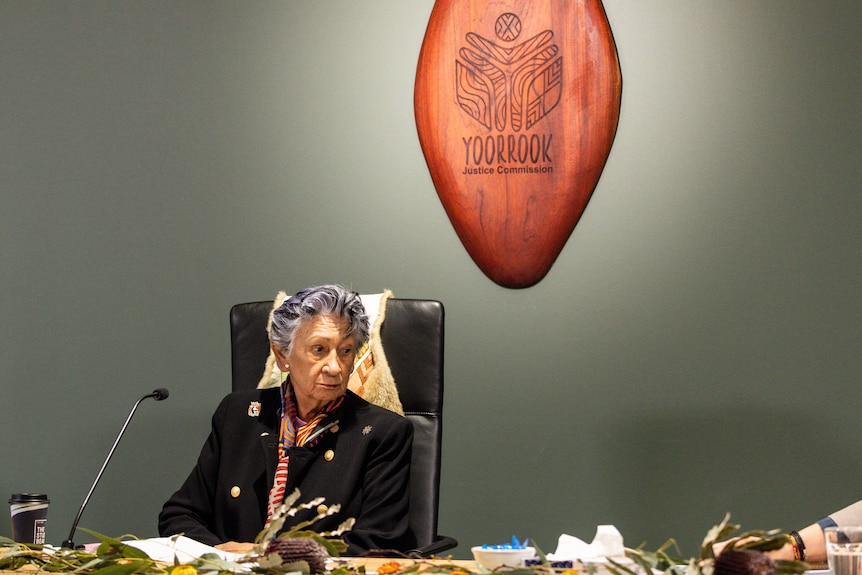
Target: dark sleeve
(383,522)
(826,522)
(190,510)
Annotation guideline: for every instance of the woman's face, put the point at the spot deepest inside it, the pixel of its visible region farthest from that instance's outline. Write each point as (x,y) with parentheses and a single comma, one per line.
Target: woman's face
(320,362)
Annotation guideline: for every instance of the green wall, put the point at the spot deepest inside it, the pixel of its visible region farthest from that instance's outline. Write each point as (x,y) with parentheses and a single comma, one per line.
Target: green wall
(694,350)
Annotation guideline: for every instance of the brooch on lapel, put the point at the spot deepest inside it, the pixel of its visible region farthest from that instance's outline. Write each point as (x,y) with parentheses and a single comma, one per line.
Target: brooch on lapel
(366,430)
(253,408)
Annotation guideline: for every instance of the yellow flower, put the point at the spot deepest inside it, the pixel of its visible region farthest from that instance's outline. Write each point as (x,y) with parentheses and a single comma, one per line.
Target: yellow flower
(387,568)
(184,570)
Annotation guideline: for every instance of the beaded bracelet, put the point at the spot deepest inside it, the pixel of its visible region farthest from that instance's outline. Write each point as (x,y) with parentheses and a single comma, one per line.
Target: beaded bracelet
(798,546)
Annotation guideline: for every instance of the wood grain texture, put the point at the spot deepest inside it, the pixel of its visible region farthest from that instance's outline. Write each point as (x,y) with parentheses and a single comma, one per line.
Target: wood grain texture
(516,105)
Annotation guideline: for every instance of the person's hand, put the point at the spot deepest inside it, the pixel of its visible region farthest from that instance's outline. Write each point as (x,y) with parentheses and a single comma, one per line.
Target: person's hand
(717,548)
(235,547)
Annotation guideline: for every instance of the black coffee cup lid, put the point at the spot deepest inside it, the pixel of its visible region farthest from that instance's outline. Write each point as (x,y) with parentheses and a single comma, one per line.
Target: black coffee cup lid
(28,498)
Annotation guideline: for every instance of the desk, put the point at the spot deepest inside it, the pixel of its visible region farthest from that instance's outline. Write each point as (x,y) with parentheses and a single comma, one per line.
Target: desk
(371,564)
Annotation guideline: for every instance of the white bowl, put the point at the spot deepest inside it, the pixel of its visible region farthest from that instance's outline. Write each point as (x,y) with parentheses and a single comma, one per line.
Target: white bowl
(491,558)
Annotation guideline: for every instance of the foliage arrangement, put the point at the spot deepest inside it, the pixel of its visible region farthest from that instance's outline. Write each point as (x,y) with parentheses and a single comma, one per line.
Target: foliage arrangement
(704,564)
(666,560)
(295,550)
(302,551)
(112,557)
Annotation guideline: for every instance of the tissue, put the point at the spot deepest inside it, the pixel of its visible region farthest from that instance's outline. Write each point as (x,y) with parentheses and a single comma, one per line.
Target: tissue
(608,542)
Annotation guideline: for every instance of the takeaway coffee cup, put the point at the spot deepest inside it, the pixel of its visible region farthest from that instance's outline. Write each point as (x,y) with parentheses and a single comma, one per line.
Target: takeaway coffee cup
(29,517)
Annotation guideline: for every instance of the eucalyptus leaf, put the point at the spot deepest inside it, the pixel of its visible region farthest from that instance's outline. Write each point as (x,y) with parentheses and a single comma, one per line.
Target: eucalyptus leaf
(212,562)
(717,533)
(125,568)
(620,569)
(117,545)
(294,568)
(10,563)
(269,561)
(91,564)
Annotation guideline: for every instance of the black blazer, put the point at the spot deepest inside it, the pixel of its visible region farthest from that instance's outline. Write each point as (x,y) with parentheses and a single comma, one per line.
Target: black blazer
(363,463)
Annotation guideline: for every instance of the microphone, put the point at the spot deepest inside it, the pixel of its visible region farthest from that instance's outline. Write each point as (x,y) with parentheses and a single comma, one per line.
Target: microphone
(158,394)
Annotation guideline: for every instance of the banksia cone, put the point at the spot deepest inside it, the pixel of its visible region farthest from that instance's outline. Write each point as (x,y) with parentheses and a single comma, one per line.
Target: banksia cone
(743,562)
(292,549)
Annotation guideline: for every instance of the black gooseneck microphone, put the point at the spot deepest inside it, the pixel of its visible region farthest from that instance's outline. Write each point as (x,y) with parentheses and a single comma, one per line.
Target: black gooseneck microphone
(158,394)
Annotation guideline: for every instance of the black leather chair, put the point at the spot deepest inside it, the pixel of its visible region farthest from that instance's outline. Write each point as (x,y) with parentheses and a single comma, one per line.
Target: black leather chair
(412,337)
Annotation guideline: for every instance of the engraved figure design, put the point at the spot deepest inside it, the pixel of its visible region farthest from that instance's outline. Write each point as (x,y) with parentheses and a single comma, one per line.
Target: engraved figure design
(508,83)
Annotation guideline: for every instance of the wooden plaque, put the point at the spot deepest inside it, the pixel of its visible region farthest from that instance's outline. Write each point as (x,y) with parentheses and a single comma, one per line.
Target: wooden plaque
(516,105)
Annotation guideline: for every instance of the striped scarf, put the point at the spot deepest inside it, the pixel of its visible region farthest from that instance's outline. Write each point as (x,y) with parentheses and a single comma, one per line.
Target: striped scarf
(295,433)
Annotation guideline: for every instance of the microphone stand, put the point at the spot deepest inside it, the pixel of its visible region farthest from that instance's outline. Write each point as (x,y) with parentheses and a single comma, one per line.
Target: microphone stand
(158,395)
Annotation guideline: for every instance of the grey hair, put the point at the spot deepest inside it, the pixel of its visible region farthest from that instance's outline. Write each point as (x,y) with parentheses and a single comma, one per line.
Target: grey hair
(334,300)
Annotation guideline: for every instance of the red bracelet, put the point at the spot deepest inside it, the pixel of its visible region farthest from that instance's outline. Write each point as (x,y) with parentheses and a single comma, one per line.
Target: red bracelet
(798,545)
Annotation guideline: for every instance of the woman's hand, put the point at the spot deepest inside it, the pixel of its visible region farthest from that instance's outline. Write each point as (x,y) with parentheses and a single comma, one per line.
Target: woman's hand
(235,547)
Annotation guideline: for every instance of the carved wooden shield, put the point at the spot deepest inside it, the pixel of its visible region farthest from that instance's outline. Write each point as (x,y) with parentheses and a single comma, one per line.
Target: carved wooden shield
(516,104)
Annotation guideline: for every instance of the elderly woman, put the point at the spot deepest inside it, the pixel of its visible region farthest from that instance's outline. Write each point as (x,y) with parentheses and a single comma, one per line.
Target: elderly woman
(312,433)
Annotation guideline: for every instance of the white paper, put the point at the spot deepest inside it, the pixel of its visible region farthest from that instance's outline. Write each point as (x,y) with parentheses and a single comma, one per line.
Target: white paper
(184,549)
